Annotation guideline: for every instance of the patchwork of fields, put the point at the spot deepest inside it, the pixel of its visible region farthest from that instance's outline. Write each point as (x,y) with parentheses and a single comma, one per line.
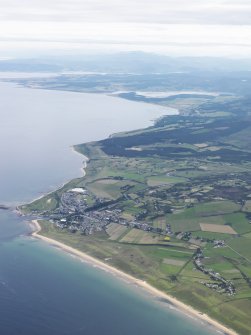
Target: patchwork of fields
(171,206)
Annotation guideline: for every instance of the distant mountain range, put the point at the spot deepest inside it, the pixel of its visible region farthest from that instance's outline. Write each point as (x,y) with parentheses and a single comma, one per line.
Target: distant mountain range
(128,62)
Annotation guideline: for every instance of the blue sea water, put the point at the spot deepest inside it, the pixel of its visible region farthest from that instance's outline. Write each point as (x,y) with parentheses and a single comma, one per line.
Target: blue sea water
(44,291)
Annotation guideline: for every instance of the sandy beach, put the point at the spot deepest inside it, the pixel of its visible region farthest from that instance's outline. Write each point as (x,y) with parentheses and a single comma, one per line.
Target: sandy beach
(132,280)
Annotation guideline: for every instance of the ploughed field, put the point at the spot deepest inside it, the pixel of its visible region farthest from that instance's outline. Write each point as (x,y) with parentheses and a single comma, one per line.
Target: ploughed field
(170,204)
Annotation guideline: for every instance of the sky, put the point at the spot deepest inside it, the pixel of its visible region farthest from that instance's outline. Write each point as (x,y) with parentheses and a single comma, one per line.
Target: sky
(170,27)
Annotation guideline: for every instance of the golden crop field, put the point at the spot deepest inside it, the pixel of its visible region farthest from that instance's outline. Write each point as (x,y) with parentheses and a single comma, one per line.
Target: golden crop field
(216,228)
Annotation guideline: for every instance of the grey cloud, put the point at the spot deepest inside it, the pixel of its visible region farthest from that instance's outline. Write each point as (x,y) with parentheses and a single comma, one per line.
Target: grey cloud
(147,11)
(180,26)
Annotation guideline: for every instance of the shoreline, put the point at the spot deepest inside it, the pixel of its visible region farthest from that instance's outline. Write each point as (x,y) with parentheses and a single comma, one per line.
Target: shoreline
(181,307)
(83,168)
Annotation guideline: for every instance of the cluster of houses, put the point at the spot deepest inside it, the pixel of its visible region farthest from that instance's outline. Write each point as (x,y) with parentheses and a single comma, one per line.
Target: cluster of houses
(94,221)
(74,214)
(184,236)
(220,284)
(144,226)
(219,243)
(80,210)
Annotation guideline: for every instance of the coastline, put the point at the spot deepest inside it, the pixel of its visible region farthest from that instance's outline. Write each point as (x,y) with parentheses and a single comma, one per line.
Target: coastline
(121,275)
(18,210)
(186,309)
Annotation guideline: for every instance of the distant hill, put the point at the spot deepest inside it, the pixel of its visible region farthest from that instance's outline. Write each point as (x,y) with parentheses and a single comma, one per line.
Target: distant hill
(127,62)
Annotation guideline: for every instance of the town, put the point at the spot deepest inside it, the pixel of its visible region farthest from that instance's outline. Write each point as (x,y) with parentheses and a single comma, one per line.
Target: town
(75,214)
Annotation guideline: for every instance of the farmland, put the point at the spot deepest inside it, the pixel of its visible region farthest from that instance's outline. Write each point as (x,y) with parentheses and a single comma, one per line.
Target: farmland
(171,205)
(215,228)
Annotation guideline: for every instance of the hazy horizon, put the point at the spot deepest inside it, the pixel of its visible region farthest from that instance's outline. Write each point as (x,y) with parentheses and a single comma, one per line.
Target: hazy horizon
(218,28)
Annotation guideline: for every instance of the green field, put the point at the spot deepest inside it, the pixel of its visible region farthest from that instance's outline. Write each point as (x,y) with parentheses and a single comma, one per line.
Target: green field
(169,269)
(115,231)
(164,180)
(184,174)
(108,187)
(221,213)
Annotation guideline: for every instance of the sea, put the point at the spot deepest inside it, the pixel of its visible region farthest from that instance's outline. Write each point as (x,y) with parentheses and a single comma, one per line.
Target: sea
(44,291)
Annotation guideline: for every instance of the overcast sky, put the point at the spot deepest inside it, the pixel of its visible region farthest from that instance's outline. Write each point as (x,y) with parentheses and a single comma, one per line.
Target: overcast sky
(172,27)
